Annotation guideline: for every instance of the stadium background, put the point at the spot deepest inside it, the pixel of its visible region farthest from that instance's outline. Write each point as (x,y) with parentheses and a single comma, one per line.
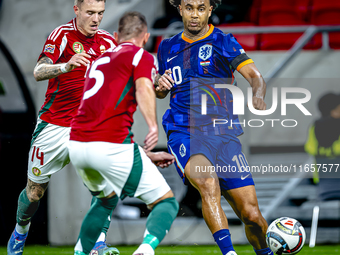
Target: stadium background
(24,26)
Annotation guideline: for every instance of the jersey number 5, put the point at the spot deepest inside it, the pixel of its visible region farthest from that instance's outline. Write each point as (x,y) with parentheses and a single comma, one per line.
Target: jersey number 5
(98,75)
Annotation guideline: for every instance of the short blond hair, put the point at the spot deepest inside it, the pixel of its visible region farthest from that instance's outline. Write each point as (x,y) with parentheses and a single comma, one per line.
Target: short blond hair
(131,25)
(79,2)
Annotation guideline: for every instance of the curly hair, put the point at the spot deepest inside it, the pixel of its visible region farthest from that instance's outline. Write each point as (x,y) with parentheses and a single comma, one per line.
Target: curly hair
(213,3)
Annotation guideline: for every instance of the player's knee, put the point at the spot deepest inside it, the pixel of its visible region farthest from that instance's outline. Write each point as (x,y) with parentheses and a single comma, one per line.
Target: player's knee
(109,203)
(170,203)
(207,186)
(169,194)
(252,216)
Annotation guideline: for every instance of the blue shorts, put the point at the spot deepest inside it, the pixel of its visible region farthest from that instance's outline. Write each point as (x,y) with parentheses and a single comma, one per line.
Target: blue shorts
(223,151)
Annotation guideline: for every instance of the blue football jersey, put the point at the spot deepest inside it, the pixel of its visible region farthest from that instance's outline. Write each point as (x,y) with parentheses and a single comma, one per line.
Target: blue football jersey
(196,67)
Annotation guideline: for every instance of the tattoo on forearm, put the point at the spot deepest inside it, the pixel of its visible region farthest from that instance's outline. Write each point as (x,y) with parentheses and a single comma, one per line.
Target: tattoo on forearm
(45,69)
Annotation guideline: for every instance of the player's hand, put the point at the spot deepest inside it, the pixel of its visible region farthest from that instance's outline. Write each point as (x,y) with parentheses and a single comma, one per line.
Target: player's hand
(259,103)
(165,82)
(78,60)
(161,159)
(151,139)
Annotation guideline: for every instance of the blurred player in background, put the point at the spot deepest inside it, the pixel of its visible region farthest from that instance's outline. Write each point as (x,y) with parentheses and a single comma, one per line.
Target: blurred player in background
(324,144)
(192,62)
(101,144)
(67,52)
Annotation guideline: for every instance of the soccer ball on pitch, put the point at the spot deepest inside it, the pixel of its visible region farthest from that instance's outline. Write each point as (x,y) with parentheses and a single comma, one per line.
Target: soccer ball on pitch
(285,236)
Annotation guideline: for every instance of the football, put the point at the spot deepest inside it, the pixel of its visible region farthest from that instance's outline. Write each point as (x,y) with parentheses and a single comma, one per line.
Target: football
(285,236)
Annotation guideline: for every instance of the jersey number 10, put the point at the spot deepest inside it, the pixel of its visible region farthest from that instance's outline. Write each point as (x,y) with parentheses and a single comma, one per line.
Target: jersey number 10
(177,74)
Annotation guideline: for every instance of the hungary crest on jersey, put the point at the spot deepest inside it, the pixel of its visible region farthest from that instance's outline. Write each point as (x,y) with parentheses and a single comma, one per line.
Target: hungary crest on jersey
(78,47)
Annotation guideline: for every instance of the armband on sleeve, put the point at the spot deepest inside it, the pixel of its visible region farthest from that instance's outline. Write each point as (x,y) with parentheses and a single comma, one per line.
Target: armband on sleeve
(240,61)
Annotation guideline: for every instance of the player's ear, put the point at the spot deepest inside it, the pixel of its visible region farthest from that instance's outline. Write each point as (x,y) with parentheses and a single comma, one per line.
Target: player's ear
(76,9)
(180,10)
(210,10)
(115,35)
(146,38)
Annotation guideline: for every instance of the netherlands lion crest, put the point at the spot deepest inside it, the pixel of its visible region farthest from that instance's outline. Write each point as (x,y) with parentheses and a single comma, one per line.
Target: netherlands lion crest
(205,52)
(182,150)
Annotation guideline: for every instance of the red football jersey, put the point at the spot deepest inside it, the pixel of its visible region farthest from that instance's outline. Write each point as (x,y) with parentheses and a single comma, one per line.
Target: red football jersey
(64,92)
(106,110)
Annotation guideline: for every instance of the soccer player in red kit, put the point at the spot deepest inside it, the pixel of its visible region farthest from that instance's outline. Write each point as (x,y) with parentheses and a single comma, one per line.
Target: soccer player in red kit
(101,144)
(67,53)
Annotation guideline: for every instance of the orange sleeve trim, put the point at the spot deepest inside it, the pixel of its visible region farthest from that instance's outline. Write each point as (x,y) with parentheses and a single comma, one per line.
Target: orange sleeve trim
(248,61)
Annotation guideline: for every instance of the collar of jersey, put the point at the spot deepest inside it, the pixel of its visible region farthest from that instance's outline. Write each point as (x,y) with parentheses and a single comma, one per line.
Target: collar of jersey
(80,34)
(211,29)
(126,43)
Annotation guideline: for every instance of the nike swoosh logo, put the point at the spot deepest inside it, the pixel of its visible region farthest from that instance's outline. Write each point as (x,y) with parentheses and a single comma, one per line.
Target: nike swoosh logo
(169,59)
(243,177)
(222,237)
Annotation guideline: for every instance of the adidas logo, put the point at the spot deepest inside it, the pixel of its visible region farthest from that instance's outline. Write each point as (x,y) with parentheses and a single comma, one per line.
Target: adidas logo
(91,51)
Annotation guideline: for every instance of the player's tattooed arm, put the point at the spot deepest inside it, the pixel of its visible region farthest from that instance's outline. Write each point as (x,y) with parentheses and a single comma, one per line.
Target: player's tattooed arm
(45,69)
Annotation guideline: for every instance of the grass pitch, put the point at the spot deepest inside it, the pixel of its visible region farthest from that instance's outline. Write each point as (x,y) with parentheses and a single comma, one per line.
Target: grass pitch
(190,250)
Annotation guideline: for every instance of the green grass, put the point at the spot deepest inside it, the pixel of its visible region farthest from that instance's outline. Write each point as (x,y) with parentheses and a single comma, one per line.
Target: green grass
(191,250)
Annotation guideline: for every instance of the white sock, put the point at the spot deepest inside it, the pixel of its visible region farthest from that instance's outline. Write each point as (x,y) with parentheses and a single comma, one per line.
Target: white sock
(78,246)
(101,237)
(145,248)
(22,230)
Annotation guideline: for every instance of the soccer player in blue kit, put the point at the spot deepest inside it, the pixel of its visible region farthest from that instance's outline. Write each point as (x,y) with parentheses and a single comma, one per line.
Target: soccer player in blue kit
(192,63)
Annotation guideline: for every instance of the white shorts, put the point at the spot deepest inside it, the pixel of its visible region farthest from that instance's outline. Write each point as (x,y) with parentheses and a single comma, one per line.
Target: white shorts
(48,153)
(122,168)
